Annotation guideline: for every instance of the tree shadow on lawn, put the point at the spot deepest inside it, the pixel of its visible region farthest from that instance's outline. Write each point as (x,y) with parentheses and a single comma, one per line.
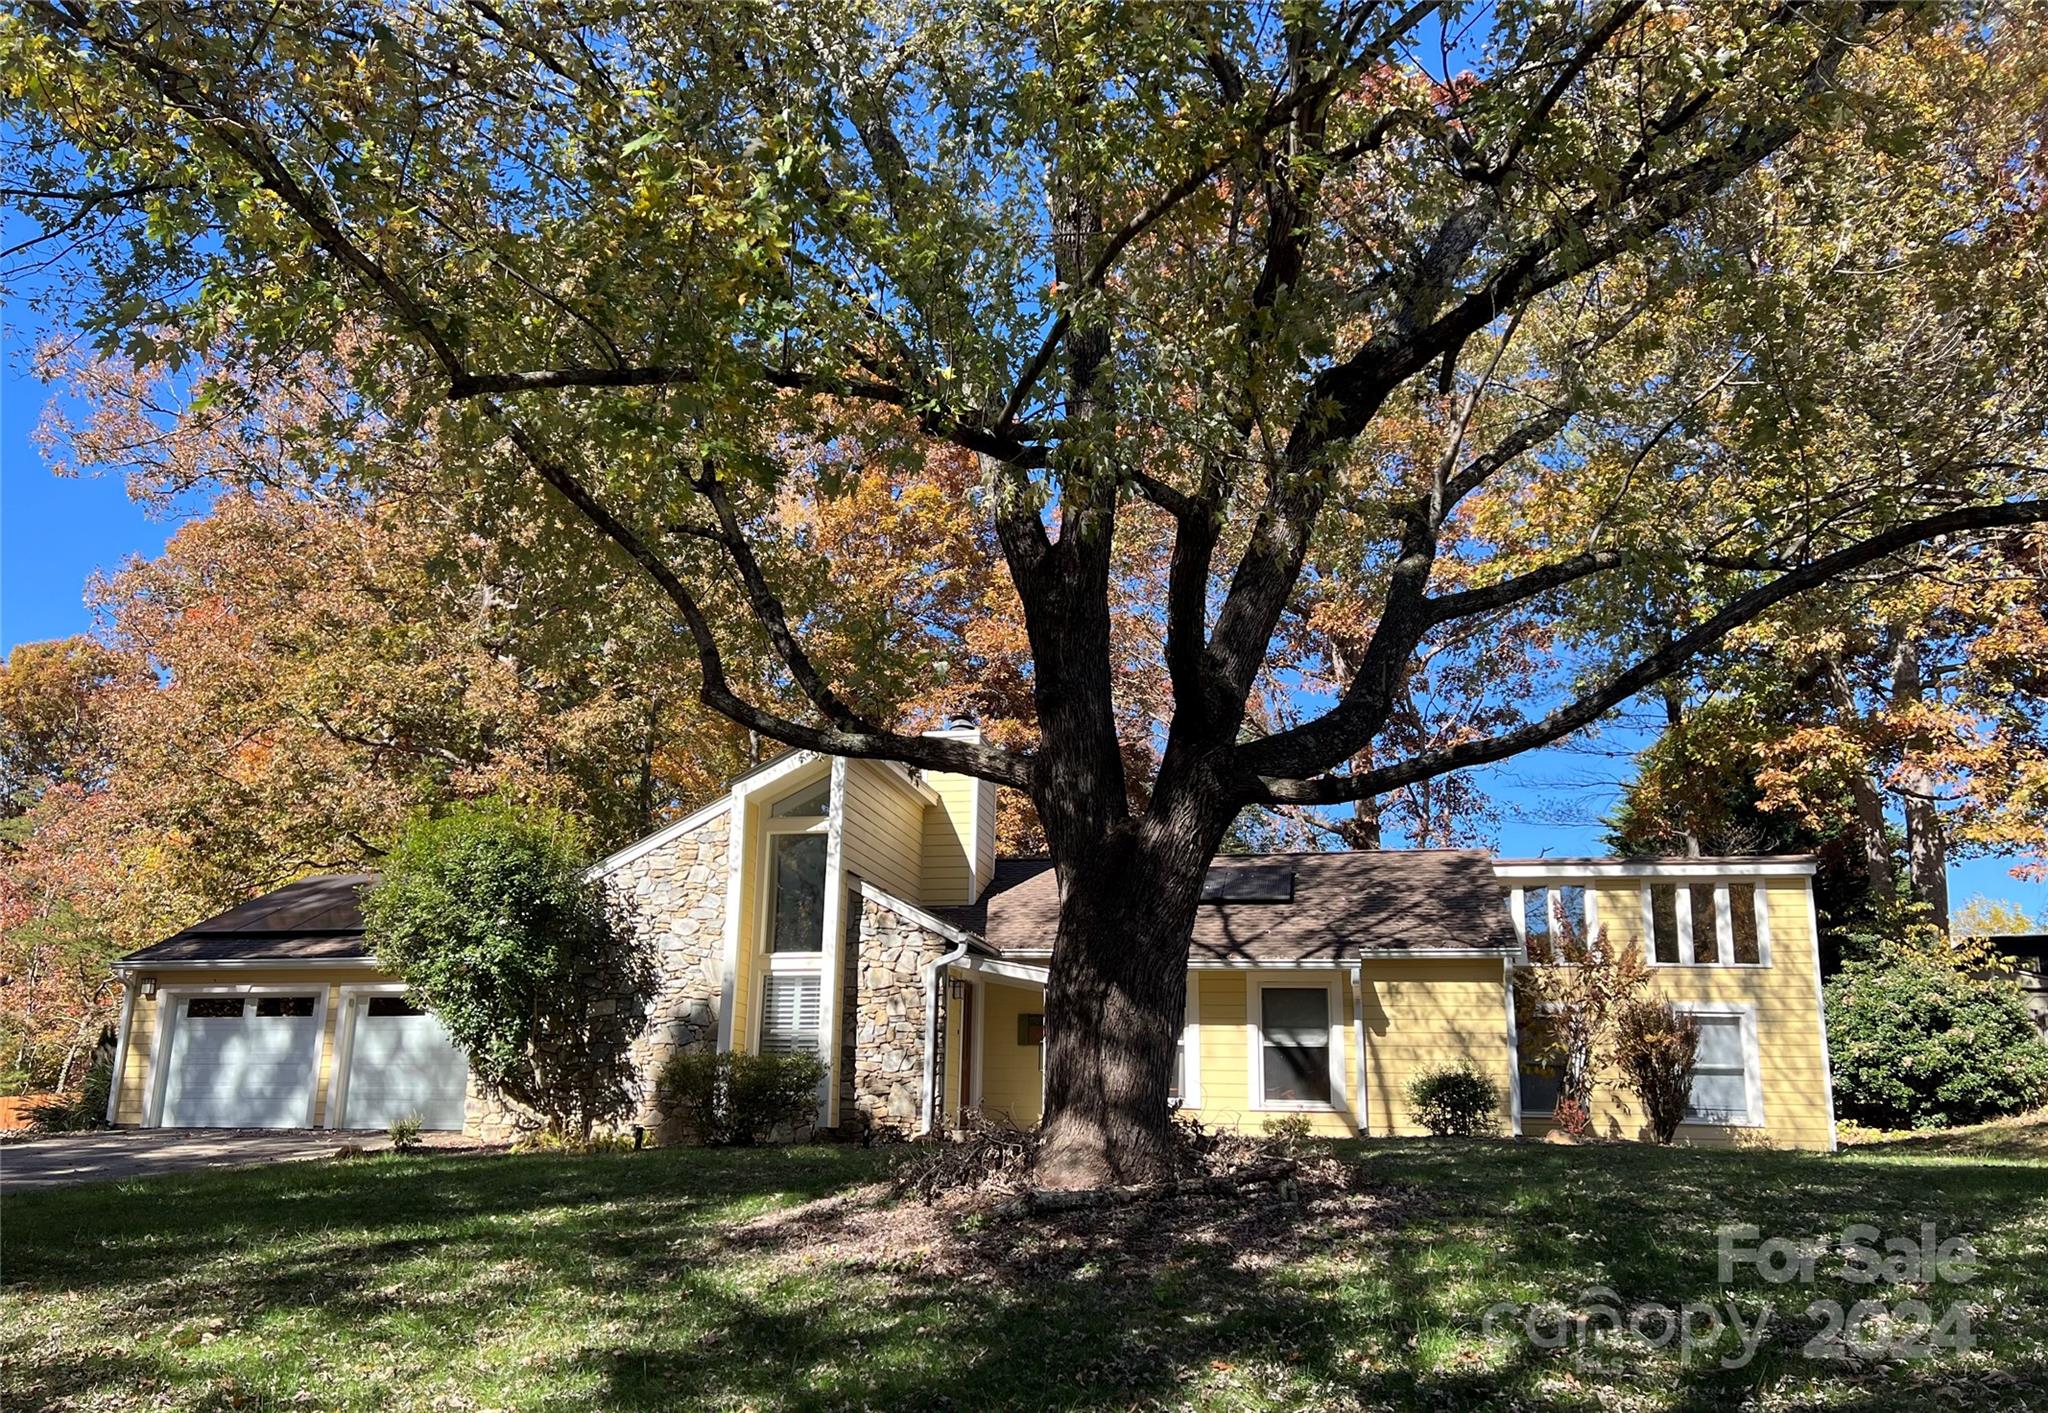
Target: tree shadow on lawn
(1370,1297)
(777,1279)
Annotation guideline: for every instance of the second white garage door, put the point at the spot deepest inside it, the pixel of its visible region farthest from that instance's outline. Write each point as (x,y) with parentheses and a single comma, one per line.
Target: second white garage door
(242,1062)
(401,1062)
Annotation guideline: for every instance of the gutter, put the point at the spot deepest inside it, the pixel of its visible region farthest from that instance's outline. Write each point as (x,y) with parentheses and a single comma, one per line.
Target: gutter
(931,1032)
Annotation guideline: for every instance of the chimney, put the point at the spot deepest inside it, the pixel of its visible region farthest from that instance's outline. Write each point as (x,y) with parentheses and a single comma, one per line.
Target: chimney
(960,851)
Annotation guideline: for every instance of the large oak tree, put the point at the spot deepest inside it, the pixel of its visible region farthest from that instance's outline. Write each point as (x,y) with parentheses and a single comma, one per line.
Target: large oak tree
(1378,294)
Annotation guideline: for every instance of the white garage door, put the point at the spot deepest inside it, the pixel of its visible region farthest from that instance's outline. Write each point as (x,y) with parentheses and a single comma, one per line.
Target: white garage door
(242,1062)
(402,1062)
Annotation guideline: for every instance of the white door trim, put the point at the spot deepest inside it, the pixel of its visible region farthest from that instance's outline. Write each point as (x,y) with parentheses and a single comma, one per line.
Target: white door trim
(346,1013)
(167,998)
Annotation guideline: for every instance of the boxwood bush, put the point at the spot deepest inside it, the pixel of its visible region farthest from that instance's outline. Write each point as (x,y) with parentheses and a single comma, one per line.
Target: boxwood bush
(739,1099)
(1453,1100)
(1916,1041)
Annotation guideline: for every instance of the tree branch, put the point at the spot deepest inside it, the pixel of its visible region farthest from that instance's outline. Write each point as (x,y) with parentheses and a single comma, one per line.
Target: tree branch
(715,690)
(1647,671)
(768,609)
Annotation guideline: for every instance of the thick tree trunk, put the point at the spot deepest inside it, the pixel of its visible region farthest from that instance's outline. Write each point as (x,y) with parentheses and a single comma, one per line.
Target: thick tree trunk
(1114,1002)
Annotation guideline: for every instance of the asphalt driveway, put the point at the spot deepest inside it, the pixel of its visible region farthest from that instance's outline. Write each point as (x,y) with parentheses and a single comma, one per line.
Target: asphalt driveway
(63,1159)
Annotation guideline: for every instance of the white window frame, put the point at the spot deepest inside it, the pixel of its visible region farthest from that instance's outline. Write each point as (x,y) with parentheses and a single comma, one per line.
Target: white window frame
(831,917)
(764,896)
(1518,909)
(1191,1047)
(1256,986)
(169,1000)
(1752,1060)
(761,1007)
(1724,924)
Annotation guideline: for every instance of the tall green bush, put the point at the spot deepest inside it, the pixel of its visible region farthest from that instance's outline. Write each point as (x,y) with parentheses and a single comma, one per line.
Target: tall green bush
(486,914)
(1916,1041)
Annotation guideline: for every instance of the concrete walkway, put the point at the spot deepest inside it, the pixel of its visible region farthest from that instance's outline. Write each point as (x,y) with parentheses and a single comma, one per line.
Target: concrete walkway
(63,1159)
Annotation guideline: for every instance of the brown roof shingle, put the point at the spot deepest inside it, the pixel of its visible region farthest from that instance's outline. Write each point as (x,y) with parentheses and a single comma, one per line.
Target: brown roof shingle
(314,919)
(1343,906)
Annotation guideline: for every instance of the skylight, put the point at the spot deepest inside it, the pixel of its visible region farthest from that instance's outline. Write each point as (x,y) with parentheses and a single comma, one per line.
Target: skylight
(1249,883)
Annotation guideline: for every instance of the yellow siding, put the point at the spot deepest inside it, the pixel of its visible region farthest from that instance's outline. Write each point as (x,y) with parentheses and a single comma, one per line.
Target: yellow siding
(1225,1037)
(1788,1023)
(884,832)
(142,1026)
(948,842)
(963,821)
(1012,1080)
(1422,1014)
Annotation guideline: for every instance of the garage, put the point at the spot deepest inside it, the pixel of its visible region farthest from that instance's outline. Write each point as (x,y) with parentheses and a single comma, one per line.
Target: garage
(242,1061)
(400,1062)
(275,1014)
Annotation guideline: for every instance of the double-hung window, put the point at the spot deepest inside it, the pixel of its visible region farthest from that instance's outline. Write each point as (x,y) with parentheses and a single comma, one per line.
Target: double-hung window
(1295,1045)
(1722,1081)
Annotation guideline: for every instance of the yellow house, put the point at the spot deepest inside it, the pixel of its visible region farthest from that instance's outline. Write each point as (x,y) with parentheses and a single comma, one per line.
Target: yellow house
(856,910)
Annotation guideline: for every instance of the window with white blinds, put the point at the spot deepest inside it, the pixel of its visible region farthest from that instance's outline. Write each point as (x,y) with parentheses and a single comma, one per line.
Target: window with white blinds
(789,1013)
(1720,1073)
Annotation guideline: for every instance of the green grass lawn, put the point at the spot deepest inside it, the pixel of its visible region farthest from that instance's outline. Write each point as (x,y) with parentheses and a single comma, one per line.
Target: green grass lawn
(785,1279)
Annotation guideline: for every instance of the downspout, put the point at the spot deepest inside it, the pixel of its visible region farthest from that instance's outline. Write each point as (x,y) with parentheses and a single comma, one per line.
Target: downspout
(121,1045)
(931,1030)
(1507,976)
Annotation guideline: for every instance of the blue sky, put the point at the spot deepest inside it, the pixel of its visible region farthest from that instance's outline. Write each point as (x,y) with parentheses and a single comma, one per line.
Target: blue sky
(55,533)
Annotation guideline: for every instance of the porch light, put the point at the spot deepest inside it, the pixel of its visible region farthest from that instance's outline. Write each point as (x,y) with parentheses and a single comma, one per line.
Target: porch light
(149,987)
(956,989)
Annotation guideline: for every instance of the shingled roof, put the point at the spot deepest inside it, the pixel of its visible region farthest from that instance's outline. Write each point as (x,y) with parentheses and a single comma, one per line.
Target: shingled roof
(1317,909)
(314,919)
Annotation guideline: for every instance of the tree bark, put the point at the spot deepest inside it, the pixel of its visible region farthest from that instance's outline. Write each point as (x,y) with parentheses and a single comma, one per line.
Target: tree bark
(1116,996)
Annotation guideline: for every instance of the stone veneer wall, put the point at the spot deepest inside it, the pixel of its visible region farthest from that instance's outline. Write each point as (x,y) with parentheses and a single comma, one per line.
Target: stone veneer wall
(678,892)
(887,1020)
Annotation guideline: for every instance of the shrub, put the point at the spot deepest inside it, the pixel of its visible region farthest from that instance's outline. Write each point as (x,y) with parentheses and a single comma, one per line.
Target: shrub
(1917,1042)
(87,1109)
(1454,1100)
(1291,1131)
(1572,1117)
(405,1133)
(536,971)
(548,1141)
(1574,987)
(1654,1046)
(735,1099)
